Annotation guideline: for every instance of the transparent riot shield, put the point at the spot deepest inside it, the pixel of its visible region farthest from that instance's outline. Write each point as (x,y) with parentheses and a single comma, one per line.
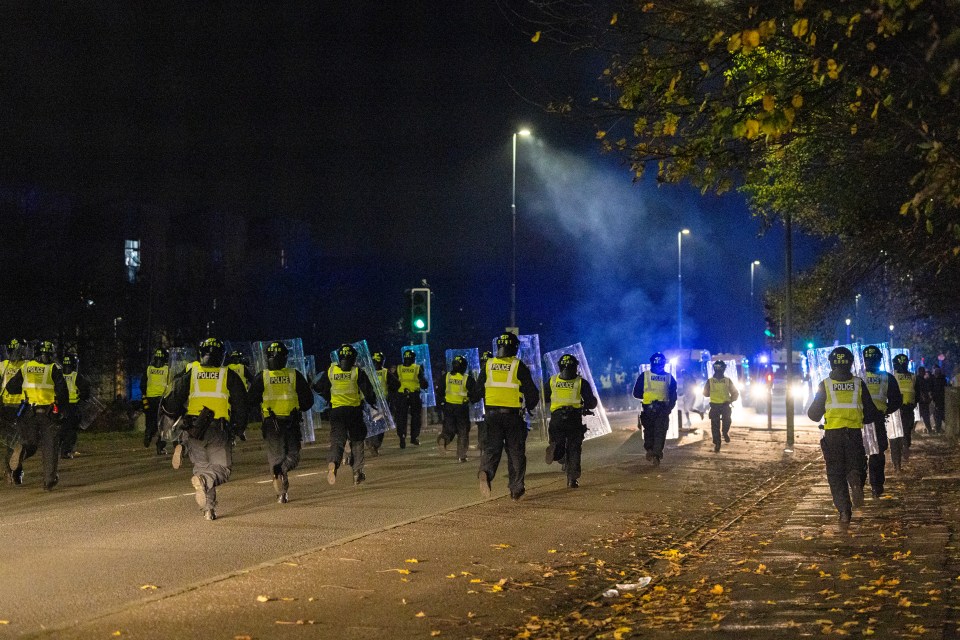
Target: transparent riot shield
(673,430)
(870,440)
(180,357)
(893,352)
(529,354)
(295,360)
(818,361)
(378,419)
(895,426)
(473,370)
(598,424)
(90,409)
(427,396)
(319,404)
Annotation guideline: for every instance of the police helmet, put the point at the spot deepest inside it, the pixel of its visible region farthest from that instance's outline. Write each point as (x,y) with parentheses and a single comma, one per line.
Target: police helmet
(211,352)
(872,355)
(568,364)
(14,345)
(347,355)
(45,346)
(719,366)
(378,357)
(234,357)
(409,356)
(70,360)
(459,364)
(841,358)
(486,355)
(160,354)
(900,362)
(507,345)
(658,360)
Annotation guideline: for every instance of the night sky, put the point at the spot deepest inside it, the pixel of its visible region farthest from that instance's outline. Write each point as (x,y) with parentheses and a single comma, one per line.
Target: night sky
(385,129)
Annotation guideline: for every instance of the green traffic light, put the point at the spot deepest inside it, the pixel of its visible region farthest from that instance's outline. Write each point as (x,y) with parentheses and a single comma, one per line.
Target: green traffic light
(419,323)
(768,333)
(809,345)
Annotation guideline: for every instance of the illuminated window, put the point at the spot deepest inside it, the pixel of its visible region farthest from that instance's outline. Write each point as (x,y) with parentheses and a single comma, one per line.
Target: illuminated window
(131,258)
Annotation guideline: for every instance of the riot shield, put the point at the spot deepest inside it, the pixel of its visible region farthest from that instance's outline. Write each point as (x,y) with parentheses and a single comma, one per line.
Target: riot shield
(473,370)
(870,440)
(295,360)
(319,404)
(597,424)
(427,396)
(529,354)
(673,430)
(893,352)
(895,426)
(818,361)
(90,409)
(379,419)
(180,357)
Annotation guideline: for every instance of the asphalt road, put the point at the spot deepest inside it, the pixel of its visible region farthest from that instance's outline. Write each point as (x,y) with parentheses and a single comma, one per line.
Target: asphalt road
(121,540)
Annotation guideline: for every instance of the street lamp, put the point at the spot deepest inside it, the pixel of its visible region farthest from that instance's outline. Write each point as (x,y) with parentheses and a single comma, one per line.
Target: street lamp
(848,330)
(891,336)
(513,212)
(753,264)
(680,234)
(856,312)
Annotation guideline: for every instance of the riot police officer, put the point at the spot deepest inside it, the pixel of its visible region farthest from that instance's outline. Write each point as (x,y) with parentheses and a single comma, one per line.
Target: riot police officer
(281,394)
(412,381)
(236,362)
(885,392)
(45,395)
(456,411)
(153,384)
(345,387)
(908,384)
(212,400)
(722,392)
(9,411)
(79,389)
(390,385)
(843,402)
(569,397)
(657,391)
(507,387)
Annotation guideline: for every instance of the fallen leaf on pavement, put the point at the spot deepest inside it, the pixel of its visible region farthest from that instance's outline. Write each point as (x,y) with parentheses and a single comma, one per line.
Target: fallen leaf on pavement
(146,587)
(264,598)
(500,546)
(434,633)
(420,614)
(412,560)
(717,590)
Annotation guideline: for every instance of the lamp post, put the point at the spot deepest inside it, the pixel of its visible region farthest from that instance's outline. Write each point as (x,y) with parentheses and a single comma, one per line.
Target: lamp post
(513,213)
(848,330)
(856,312)
(890,341)
(680,234)
(753,264)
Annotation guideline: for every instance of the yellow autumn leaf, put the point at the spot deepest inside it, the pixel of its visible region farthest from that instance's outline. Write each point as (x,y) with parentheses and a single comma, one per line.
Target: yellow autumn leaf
(798,5)
(4,622)
(452,575)
(264,598)
(876,109)
(500,546)
(475,580)
(833,70)
(769,102)
(797,102)
(753,128)
(613,20)
(495,588)
(551,550)
(704,66)
(600,136)
(751,37)
(412,560)
(800,27)
(647,7)
(735,43)
(116,633)
(536,37)
(874,70)
(717,590)
(420,614)
(618,633)
(148,587)
(434,633)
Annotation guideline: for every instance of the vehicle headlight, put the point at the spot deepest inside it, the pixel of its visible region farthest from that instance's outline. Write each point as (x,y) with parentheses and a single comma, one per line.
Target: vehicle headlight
(759,391)
(798,390)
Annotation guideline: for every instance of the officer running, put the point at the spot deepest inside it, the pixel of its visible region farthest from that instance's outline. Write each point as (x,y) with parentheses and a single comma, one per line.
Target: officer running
(281,394)
(212,400)
(843,402)
(79,390)
(345,387)
(412,381)
(885,392)
(390,385)
(506,386)
(153,384)
(570,398)
(722,392)
(45,396)
(907,383)
(9,411)
(456,411)
(657,391)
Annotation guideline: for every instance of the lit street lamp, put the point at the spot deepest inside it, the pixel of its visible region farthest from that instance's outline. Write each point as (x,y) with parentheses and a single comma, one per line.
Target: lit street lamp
(753,264)
(513,212)
(848,330)
(680,234)
(891,336)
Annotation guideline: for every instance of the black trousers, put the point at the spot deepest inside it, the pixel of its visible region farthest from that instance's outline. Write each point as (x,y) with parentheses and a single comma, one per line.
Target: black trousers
(69,429)
(346,423)
(409,404)
(566,432)
(456,424)
(150,422)
(282,437)
(843,456)
(506,431)
(925,416)
(9,433)
(719,420)
(212,457)
(877,462)
(655,425)
(40,432)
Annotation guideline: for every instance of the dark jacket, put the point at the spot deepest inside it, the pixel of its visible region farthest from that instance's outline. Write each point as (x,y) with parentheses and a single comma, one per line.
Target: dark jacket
(586,395)
(671,393)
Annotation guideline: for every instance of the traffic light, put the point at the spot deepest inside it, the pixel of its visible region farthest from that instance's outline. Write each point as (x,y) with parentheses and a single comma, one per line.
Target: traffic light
(767,332)
(420,310)
(809,345)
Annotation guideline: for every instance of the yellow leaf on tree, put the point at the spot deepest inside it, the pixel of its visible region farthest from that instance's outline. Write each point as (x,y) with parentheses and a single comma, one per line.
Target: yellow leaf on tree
(800,27)
(876,108)
(769,102)
(751,37)
(536,37)
(874,70)
(753,128)
(797,101)
(647,7)
(735,43)
(704,66)
(613,20)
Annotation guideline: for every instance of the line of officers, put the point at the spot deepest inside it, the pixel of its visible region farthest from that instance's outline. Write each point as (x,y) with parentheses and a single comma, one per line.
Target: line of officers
(850,407)
(209,403)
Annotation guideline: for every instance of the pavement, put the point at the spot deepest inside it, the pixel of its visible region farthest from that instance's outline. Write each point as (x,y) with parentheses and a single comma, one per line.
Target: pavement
(743,542)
